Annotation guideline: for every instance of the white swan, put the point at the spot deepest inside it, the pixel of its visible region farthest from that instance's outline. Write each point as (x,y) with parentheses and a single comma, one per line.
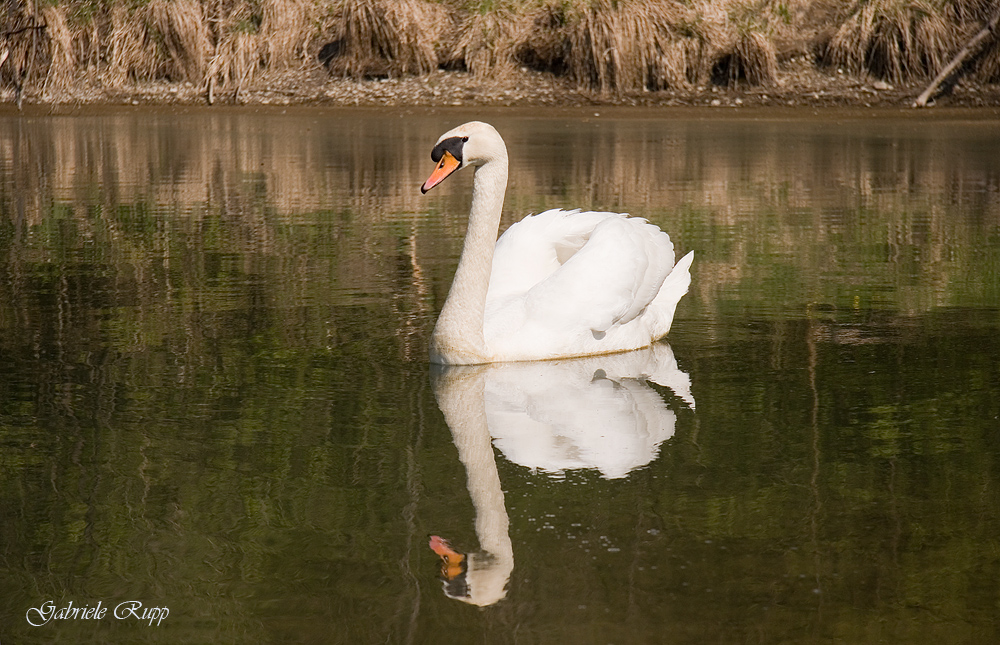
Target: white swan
(555,285)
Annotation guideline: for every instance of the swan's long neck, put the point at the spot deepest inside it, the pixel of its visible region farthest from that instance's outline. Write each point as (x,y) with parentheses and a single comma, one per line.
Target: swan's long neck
(458,335)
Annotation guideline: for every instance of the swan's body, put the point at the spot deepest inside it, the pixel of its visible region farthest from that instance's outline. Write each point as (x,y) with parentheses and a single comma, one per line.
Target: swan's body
(555,285)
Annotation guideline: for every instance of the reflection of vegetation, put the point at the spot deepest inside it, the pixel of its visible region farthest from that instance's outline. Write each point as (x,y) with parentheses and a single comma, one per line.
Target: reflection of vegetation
(212,393)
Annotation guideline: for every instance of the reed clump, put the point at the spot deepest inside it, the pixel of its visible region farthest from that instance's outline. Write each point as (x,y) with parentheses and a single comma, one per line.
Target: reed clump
(986,66)
(62,64)
(901,40)
(630,46)
(893,39)
(177,39)
(621,46)
(251,38)
(24,46)
(118,43)
(752,58)
(489,34)
(383,37)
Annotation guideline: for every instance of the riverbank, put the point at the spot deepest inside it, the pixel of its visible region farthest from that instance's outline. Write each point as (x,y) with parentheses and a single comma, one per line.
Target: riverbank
(800,84)
(440,53)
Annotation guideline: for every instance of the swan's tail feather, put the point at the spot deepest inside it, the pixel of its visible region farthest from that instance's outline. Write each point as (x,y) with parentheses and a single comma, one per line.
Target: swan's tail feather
(675,285)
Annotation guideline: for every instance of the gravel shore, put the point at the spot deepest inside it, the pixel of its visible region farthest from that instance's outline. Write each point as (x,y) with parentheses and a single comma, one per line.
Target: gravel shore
(801,84)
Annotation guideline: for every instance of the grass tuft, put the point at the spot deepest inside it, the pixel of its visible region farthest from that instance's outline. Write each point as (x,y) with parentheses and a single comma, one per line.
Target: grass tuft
(895,40)
(488,41)
(385,37)
(752,59)
(621,46)
(62,57)
(177,39)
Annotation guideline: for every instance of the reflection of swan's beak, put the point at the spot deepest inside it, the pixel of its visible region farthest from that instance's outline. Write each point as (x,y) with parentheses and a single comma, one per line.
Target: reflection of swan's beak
(445,167)
(453,563)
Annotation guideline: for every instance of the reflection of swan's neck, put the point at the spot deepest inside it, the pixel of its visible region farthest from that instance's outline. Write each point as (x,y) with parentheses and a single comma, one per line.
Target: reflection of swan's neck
(458,335)
(460,395)
(475,449)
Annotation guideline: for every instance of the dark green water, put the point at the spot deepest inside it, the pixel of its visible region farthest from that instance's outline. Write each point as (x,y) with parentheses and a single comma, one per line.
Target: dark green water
(214,396)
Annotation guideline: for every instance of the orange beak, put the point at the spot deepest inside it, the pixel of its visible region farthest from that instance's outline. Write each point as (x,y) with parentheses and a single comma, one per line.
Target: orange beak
(451,560)
(445,167)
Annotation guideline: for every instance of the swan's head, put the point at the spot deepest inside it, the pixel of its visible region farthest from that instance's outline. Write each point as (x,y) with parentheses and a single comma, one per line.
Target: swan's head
(470,144)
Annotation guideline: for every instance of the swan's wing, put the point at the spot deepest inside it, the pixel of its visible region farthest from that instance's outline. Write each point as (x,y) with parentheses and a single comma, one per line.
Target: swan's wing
(533,249)
(610,280)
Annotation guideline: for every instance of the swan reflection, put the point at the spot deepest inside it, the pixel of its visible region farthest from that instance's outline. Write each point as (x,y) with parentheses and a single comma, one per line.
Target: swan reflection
(598,412)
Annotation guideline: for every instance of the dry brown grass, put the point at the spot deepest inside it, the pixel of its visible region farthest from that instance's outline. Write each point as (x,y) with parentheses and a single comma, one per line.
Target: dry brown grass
(252,38)
(238,53)
(628,46)
(987,67)
(609,46)
(621,46)
(895,39)
(228,41)
(976,14)
(488,41)
(24,46)
(753,58)
(178,38)
(385,37)
(166,39)
(288,29)
(62,65)
(971,12)
(126,45)
(750,51)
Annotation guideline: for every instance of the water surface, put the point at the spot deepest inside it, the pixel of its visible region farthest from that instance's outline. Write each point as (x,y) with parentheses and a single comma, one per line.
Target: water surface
(214,394)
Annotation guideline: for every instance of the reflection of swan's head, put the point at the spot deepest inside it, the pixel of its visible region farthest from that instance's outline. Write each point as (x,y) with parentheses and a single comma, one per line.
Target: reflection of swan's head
(475,578)
(470,144)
